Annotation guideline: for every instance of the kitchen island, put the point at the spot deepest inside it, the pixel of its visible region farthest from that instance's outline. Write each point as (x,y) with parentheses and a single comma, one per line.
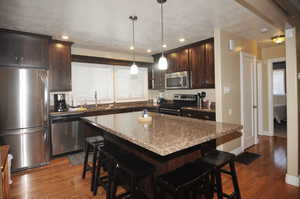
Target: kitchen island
(167,142)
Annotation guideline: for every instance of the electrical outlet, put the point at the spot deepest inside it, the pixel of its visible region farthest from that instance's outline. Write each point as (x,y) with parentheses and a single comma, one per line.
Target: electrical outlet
(230,111)
(227,90)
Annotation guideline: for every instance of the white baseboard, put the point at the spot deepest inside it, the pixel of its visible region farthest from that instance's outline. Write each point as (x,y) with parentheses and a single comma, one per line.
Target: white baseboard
(266,133)
(292,180)
(237,151)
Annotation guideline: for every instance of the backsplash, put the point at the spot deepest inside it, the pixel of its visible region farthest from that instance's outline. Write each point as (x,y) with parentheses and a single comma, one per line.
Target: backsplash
(168,94)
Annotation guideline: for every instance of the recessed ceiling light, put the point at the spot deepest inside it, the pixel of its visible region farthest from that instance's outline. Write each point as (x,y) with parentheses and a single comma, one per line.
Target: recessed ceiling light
(164,46)
(149,51)
(182,40)
(264,30)
(131,48)
(65,37)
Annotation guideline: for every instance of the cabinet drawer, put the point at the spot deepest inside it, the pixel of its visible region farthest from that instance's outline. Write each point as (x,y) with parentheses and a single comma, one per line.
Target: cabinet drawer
(200,115)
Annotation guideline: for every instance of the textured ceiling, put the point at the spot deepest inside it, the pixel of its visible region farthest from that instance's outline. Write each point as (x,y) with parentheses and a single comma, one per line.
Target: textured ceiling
(104,24)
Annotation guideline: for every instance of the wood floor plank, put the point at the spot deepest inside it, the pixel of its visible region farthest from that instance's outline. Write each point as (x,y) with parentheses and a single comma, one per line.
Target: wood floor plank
(262,179)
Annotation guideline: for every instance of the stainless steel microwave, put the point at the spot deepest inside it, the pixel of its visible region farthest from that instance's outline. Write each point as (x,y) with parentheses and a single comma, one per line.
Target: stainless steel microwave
(177,80)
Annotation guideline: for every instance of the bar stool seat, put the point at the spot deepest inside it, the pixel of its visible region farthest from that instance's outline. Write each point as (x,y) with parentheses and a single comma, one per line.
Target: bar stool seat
(186,179)
(219,159)
(95,140)
(122,162)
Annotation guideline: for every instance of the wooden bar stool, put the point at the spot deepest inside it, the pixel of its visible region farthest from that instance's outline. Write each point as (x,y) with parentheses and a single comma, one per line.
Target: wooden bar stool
(187,181)
(125,169)
(219,159)
(92,145)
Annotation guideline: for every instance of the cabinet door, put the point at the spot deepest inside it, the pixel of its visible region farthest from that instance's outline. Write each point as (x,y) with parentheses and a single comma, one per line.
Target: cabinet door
(34,52)
(210,65)
(23,50)
(183,61)
(150,77)
(158,75)
(172,62)
(60,66)
(197,62)
(9,50)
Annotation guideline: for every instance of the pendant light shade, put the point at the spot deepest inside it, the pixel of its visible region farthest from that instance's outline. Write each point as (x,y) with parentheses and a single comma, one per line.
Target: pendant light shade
(134,70)
(163,62)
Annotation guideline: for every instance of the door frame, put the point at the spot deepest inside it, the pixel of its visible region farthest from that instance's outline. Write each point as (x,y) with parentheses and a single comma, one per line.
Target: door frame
(259,64)
(270,93)
(256,140)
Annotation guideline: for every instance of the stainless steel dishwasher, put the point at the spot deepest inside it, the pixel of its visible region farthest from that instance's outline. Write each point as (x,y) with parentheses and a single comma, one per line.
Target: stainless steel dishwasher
(66,136)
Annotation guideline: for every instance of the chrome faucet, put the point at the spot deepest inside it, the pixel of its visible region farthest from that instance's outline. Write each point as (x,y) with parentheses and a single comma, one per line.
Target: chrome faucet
(96,99)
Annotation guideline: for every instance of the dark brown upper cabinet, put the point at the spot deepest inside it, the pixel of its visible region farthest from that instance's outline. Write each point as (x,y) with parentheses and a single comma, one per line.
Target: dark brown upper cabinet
(60,66)
(198,58)
(156,77)
(19,49)
(178,61)
(202,65)
(197,62)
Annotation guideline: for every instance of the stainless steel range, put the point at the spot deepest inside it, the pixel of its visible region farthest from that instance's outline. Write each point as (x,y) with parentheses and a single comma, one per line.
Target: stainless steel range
(179,101)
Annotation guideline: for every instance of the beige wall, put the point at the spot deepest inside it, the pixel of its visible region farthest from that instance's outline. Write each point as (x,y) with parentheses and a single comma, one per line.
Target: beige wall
(112,55)
(273,52)
(227,67)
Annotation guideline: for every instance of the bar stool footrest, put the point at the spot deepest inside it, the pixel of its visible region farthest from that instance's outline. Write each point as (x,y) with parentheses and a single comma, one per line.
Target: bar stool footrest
(225,172)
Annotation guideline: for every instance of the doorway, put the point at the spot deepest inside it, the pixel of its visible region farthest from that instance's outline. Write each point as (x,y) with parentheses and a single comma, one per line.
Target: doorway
(277,97)
(249,102)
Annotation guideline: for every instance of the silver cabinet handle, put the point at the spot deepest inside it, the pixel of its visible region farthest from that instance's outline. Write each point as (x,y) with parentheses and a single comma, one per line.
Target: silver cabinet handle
(206,117)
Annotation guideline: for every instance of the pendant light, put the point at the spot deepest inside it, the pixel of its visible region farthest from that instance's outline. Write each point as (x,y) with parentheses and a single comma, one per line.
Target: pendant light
(133,68)
(163,62)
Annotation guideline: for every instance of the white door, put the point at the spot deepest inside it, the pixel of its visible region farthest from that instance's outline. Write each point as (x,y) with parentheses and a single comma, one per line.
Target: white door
(248,99)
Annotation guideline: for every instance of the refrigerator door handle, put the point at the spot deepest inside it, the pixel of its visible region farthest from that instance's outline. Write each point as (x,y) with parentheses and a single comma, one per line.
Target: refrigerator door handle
(44,79)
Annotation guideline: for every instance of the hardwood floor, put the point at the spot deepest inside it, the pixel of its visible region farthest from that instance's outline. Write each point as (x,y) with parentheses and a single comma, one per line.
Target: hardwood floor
(264,178)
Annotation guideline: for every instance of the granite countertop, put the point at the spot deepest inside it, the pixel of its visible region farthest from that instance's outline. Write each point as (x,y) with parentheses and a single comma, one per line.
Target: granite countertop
(197,108)
(166,134)
(104,108)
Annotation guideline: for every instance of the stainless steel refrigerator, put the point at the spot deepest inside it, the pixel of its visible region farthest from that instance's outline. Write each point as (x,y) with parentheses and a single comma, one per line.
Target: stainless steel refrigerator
(24,115)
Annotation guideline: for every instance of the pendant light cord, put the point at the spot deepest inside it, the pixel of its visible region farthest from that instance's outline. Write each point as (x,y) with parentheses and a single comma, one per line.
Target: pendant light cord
(133,40)
(162,28)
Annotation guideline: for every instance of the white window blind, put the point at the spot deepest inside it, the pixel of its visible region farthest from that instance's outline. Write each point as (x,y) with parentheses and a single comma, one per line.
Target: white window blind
(130,87)
(279,82)
(88,78)
(112,83)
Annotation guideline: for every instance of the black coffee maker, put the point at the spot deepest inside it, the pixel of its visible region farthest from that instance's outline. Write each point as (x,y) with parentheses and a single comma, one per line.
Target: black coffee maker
(60,103)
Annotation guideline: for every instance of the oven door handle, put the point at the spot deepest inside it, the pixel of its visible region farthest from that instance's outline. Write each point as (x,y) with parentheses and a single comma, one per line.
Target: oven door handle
(181,82)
